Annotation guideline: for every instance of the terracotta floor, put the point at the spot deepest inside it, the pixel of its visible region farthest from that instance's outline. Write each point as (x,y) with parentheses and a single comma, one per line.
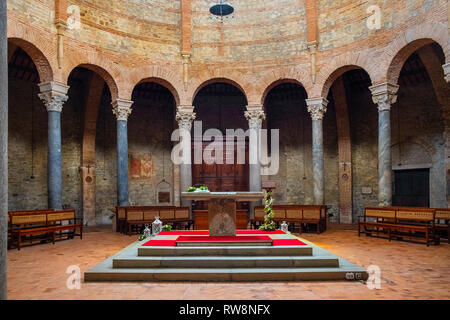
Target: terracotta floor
(408,271)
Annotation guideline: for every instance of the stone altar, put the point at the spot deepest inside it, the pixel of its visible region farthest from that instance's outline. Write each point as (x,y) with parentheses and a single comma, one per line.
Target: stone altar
(222,208)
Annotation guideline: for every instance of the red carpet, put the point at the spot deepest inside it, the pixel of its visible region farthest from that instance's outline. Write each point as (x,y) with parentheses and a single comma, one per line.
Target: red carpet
(258,232)
(206,232)
(236,238)
(172,243)
(160,243)
(184,232)
(287,242)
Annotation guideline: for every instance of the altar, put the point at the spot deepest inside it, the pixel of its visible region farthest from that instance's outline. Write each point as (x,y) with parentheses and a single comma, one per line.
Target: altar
(222,208)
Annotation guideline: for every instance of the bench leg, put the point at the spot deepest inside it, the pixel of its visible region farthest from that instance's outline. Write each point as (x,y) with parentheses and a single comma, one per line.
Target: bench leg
(81,232)
(19,241)
(53,237)
(389,233)
(426,235)
(359,229)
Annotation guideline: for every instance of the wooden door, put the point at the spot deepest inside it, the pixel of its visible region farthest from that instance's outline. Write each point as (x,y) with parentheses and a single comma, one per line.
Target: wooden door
(222,177)
(411,188)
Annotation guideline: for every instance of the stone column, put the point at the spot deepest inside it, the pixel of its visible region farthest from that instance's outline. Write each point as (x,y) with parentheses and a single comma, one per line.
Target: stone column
(122,109)
(317,108)
(255,117)
(185,116)
(54,95)
(3,148)
(447,71)
(384,95)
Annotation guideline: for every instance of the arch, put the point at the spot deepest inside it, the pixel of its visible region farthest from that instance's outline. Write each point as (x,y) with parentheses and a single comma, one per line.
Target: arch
(106,76)
(215,80)
(166,84)
(293,74)
(234,78)
(151,73)
(398,51)
(331,71)
(277,83)
(42,64)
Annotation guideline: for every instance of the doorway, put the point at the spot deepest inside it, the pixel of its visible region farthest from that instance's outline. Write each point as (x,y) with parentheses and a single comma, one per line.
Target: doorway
(411,188)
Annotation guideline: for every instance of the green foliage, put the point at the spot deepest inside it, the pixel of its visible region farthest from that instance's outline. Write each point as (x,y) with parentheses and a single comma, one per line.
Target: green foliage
(142,237)
(269,224)
(167,227)
(191,189)
(203,188)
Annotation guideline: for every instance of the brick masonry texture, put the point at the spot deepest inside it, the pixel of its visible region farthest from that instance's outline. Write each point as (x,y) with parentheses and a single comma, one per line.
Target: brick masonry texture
(126,42)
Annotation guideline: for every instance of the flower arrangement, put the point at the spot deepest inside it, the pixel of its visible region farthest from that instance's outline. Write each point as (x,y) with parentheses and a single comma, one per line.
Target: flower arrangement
(269,224)
(200,189)
(167,227)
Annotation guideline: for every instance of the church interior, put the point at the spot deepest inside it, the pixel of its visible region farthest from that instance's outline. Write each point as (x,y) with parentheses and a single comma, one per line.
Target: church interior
(97,96)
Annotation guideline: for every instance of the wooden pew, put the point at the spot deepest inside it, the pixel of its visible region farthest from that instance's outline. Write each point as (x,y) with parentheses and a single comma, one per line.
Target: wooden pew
(443,221)
(302,214)
(131,218)
(44,223)
(402,221)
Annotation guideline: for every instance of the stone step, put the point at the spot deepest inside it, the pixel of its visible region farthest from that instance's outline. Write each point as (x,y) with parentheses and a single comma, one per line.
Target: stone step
(250,251)
(224,243)
(226,262)
(225,274)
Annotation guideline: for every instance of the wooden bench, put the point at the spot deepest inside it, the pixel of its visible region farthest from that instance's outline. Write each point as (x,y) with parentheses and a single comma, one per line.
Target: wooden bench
(443,222)
(44,222)
(302,214)
(131,218)
(399,222)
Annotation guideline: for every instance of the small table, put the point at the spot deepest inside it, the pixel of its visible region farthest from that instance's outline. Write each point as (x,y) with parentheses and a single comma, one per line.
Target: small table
(222,208)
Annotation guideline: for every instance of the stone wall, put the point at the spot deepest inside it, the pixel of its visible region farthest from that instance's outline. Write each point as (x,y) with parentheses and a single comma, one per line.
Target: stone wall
(294,179)
(27,147)
(150,127)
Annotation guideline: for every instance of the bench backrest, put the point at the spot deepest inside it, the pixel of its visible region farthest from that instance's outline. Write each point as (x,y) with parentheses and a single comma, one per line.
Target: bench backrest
(41,216)
(302,212)
(146,213)
(399,214)
(384,213)
(443,213)
(425,215)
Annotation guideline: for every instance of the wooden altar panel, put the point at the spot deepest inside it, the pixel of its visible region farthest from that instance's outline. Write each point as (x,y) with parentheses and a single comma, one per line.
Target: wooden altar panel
(201,219)
(222,177)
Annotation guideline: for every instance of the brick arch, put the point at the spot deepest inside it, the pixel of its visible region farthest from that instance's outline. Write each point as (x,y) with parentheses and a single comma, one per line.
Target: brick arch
(39,59)
(106,76)
(399,50)
(278,82)
(166,77)
(279,76)
(329,72)
(165,84)
(234,78)
(97,63)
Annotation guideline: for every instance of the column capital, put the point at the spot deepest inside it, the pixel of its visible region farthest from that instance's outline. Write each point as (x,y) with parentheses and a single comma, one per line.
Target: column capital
(317,107)
(53,94)
(185,115)
(255,118)
(122,109)
(384,95)
(446,68)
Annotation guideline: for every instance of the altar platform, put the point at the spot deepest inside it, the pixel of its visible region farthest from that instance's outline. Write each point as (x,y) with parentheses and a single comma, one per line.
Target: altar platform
(250,256)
